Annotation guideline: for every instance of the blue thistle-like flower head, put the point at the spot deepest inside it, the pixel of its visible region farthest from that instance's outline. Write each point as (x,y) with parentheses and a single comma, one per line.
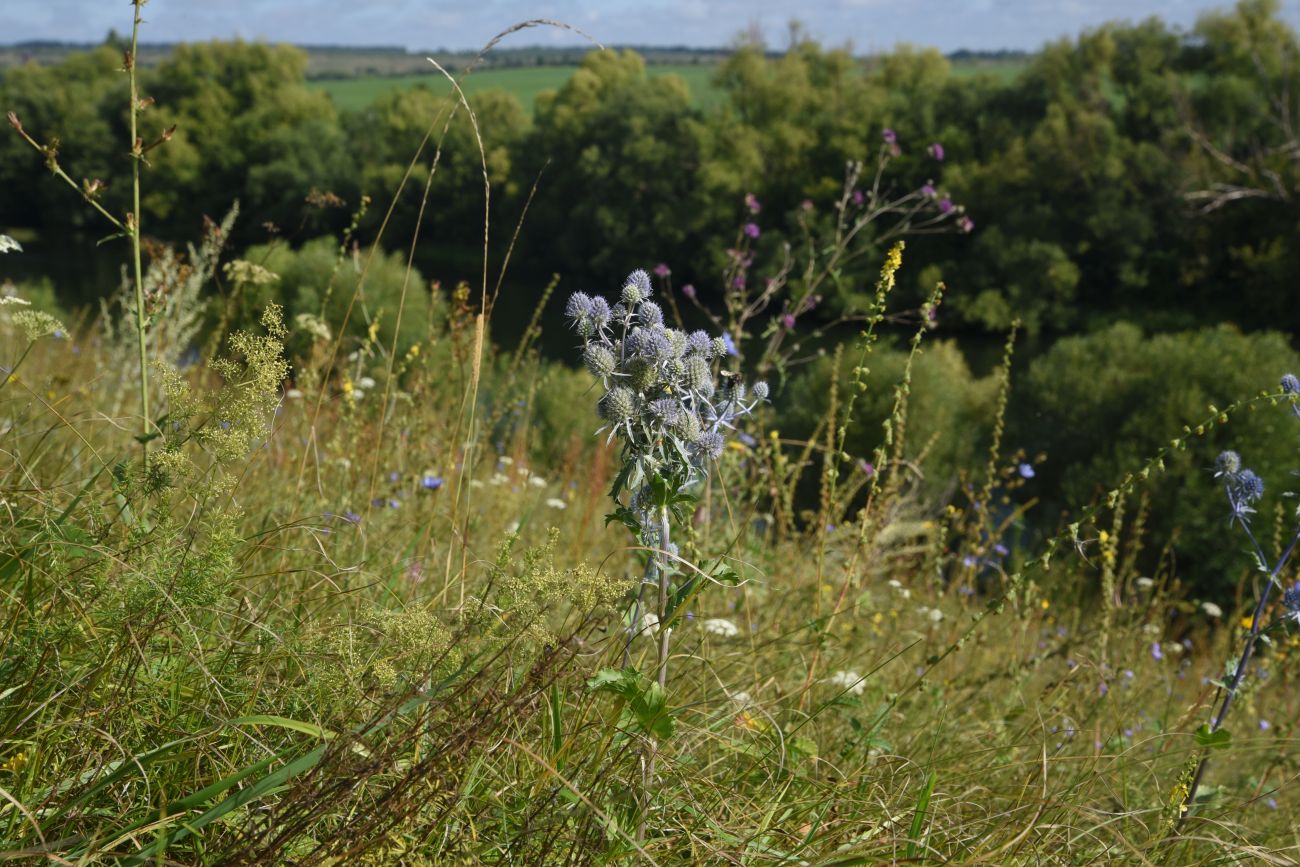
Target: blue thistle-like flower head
(710,445)
(760,390)
(1291,601)
(600,312)
(641,280)
(1252,486)
(665,409)
(1228,463)
(1290,384)
(699,343)
(651,313)
(579,306)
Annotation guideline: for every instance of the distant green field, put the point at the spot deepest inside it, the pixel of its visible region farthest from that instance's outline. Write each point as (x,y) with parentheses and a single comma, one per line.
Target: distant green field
(1003,70)
(527,82)
(524,82)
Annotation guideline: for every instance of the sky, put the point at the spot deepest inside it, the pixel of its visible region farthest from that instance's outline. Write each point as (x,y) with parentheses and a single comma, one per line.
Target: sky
(868,25)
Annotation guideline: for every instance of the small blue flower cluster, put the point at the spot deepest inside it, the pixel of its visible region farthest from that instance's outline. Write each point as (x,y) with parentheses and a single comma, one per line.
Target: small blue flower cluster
(661,397)
(1242,485)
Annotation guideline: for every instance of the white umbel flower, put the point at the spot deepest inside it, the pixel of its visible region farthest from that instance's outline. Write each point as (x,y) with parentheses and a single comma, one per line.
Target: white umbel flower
(557,503)
(1211,609)
(722,627)
(9,245)
(849,680)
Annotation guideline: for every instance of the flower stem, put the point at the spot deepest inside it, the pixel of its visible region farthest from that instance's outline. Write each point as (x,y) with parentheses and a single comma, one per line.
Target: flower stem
(133,230)
(1239,674)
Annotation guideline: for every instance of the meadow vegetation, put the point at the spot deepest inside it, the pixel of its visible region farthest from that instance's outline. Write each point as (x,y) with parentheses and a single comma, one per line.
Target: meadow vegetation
(301,565)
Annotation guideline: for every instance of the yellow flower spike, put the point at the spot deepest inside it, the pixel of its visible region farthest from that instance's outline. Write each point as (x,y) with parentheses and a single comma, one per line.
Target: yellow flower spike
(1103,537)
(1045,604)
(1246,621)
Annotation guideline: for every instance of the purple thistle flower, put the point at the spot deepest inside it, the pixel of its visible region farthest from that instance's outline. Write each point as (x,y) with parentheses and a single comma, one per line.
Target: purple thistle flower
(945,205)
(752,203)
(689,290)
(965,224)
(889,136)
(936,150)
(751,230)
(662,270)
(858,198)
(787,321)
(806,204)
(928,191)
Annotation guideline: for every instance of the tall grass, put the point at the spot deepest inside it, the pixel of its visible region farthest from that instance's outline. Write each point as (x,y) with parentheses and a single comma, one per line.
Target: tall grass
(336,623)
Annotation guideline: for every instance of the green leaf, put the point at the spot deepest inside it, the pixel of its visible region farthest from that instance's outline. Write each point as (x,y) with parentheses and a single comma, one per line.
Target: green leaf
(1214,740)
(626,517)
(623,682)
(306,728)
(918,818)
(651,711)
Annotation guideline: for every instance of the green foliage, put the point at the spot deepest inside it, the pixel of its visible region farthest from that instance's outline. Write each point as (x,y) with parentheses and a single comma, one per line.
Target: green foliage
(1100,405)
(642,161)
(318,281)
(949,413)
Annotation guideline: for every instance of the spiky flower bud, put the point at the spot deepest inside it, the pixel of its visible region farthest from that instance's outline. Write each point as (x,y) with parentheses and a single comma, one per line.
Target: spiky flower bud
(1228,463)
(697,374)
(710,444)
(1290,384)
(599,360)
(600,312)
(579,306)
(760,390)
(676,340)
(632,295)
(644,375)
(719,346)
(698,343)
(641,280)
(651,313)
(618,404)
(687,426)
(657,346)
(665,409)
(1252,486)
(1291,601)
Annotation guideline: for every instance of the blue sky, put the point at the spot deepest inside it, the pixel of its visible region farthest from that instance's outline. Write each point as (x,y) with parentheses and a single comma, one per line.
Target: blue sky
(867,24)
